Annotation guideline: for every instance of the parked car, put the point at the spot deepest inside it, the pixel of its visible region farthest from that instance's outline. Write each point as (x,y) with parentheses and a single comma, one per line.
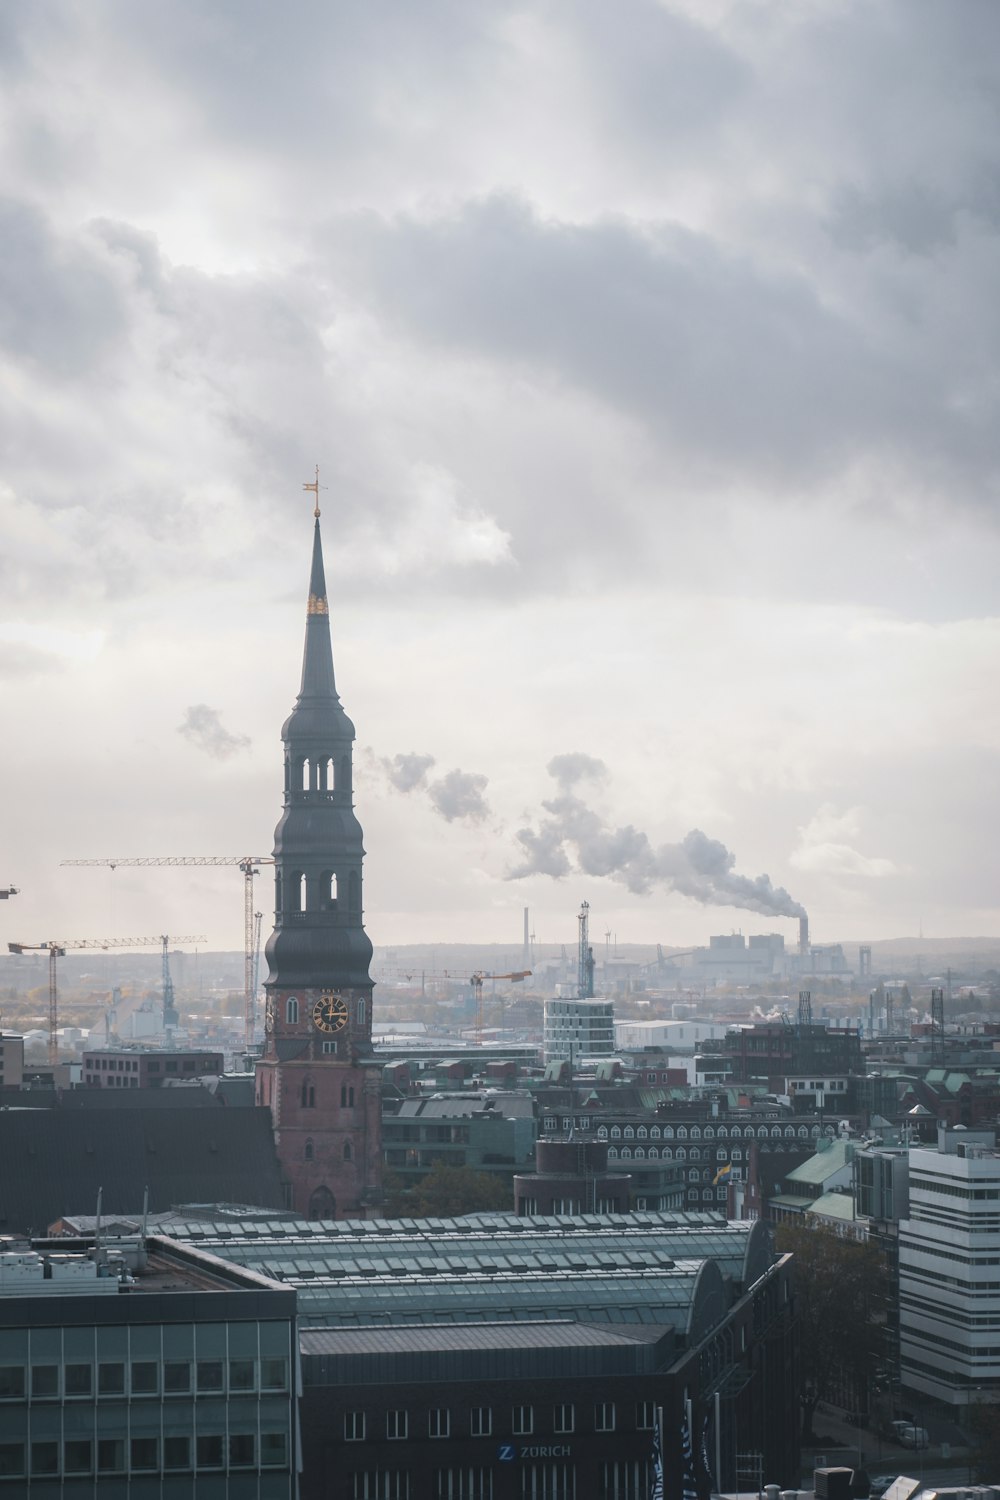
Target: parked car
(879,1484)
(910,1435)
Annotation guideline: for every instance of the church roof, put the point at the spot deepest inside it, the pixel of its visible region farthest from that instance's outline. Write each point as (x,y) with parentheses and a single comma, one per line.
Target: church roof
(55,1160)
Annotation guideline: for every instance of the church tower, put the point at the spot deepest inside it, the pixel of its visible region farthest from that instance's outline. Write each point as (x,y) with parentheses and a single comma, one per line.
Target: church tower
(318,1074)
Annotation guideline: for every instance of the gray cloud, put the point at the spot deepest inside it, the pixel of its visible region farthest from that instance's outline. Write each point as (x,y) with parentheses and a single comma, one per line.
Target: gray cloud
(204,728)
(460,794)
(576,766)
(456,796)
(574,837)
(407,771)
(738,363)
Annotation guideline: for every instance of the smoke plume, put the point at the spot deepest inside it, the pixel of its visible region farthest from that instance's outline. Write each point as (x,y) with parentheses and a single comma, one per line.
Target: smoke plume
(457,795)
(574,837)
(203,726)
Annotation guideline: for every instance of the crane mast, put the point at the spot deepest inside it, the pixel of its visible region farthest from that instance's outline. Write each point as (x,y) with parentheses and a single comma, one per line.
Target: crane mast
(585,956)
(477,984)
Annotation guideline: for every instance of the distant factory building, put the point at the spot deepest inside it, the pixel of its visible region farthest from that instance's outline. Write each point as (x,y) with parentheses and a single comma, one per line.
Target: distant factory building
(579,1029)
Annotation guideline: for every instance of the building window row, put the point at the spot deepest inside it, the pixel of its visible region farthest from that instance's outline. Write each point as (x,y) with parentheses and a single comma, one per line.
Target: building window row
(735,1132)
(177,1377)
(114,1455)
(481,1424)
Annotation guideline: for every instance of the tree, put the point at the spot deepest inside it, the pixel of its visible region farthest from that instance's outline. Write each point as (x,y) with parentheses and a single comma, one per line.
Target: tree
(840,1287)
(984,1427)
(447,1192)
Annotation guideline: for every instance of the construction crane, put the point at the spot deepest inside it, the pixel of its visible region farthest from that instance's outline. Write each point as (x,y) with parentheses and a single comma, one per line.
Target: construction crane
(8,891)
(58,950)
(249,866)
(258,918)
(170,1016)
(477,984)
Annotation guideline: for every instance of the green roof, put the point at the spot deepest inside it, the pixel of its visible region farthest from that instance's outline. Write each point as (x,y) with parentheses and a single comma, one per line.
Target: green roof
(818,1168)
(834,1206)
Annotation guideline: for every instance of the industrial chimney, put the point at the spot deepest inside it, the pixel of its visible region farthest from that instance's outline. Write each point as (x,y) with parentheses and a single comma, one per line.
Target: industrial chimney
(804,936)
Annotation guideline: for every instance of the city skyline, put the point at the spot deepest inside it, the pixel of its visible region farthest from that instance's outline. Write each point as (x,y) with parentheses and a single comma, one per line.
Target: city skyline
(648,357)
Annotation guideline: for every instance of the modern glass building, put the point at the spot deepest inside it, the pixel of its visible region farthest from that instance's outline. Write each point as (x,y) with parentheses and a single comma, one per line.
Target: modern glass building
(141,1370)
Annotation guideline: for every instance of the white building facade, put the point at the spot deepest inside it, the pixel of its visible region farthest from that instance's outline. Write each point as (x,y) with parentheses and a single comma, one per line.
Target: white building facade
(579,1028)
(949,1270)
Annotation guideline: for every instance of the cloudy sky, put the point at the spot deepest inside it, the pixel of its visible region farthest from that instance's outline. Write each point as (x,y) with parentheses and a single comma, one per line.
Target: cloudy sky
(649,352)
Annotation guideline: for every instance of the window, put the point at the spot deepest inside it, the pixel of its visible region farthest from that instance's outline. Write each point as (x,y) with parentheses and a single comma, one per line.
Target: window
(144,1378)
(346,1097)
(77,1456)
(291,1010)
(274,1450)
(241,1450)
(645,1416)
(110,1381)
(176,1377)
(330,1048)
(145,1453)
(11,1459)
(481,1421)
(241,1375)
(396,1424)
(604,1416)
(209,1373)
(177,1453)
(354,1426)
(563,1418)
(439,1422)
(348,1151)
(467,1482)
(11,1382)
(44,1381)
(308,1096)
(208,1448)
(78,1382)
(382,1484)
(522,1421)
(274,1374)
(361,1012)
(45,1458)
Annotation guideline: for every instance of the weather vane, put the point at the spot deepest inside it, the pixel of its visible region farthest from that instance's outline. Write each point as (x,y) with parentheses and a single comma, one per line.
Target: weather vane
(314,487)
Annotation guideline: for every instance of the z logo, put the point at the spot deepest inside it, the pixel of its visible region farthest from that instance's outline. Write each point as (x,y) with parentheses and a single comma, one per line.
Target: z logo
(506,1453)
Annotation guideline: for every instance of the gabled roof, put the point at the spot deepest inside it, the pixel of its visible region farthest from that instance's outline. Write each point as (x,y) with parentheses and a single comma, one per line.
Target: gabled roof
(54,1161)
(823,1165)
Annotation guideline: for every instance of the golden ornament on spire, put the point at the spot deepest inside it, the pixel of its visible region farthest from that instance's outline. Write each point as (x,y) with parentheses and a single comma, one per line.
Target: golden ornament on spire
(314,487)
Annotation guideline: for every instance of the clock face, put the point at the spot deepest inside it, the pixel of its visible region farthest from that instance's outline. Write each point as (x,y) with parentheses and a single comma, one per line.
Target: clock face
(330,1012)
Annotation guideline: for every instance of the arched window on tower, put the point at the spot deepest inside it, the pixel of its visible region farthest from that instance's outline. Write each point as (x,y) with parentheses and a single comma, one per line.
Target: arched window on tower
(305,775)
(361,1012)
(292,1010)
(346,1097)
(308,1151)
(330,778)
(308,1095)
(322,1204)
(303,896)
(328,890)
(348,1151)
